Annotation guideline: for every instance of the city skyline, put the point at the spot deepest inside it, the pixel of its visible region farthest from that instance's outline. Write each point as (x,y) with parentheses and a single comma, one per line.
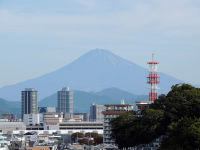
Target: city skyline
(66,65)
(40,37)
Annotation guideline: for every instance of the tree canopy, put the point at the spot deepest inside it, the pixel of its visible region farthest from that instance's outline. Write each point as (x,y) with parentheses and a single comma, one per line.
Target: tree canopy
(85,138)
(176,116)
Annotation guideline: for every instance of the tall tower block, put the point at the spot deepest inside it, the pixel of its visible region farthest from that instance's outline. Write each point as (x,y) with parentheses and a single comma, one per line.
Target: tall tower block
(65,102)
(153,80)
(29,101)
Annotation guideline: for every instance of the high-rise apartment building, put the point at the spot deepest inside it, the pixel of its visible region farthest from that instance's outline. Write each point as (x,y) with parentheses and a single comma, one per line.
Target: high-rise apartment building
(96,112)
(65,102)
(113,111)
(29,101)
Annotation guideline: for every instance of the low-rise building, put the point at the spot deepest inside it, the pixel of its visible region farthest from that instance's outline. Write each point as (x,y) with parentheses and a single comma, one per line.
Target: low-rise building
(141,105)
(42,110)
(86,116)
(51,126)
(82,127)
(76,118)
(38,148)
(8,116)
(11,126)
(3,142)
(31,119)
(52,118)
(35,127)
(51,121)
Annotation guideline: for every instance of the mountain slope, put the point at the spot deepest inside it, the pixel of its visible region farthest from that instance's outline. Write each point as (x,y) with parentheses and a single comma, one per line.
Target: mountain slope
(10,107)
(83,100)
(118,94)
(94,71)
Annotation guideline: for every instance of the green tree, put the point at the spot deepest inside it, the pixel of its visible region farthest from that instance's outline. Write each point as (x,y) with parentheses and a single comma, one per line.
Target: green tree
(184,134)
(75,136)
(120,126)
(176,116)
(129,130)
(98,139)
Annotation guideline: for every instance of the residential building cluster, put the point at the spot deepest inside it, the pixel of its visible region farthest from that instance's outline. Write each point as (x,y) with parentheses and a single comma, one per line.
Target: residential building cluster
(51,128)
(45,127)
(37,122)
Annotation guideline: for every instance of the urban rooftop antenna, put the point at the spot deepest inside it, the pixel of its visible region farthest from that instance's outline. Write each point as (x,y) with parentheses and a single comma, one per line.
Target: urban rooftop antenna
(153,80)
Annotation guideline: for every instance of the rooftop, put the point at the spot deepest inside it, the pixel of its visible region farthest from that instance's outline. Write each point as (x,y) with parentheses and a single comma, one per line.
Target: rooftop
(115,112)
(118,105)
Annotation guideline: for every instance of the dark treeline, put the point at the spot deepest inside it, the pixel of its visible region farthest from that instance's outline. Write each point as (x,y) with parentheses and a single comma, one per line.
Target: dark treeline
(176,116)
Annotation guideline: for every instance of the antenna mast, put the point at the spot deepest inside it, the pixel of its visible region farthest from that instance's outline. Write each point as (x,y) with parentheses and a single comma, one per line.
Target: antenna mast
(153,80)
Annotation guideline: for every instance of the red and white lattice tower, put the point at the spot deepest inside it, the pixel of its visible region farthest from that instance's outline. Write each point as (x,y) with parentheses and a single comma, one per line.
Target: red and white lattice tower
(153,80)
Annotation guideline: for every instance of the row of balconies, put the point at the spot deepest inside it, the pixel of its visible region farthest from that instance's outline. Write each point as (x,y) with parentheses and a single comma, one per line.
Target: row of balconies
(110,116)
(106,124)
(106,136)
(108,140)
(107,128)
(118,108)
(107,132)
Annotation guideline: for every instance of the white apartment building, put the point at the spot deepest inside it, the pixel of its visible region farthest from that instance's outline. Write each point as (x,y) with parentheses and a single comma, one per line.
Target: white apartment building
(113,111)
(31,119)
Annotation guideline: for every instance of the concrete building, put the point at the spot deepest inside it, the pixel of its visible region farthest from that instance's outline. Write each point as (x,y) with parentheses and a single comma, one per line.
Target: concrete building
(86,116)
(51,121)
(65,102)
(142,105)
(6,127)
(82,127)
(38,148)
(8,116)
(29,101)
(35,127)
(96,112)
(52,118)
(113,111)
(3,142)
(42,110)
(76,118)
(31,119)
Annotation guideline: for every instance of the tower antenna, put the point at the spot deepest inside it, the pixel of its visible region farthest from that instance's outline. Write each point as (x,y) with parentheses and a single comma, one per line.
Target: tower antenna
(153,80)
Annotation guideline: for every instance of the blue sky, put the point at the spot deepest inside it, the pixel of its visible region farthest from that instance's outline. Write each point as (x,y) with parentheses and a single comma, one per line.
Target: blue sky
(40,36)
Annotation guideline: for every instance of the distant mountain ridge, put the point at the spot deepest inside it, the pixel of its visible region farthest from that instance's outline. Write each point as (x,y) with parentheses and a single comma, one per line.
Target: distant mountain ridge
(96,70)
(10,107)
(82,100)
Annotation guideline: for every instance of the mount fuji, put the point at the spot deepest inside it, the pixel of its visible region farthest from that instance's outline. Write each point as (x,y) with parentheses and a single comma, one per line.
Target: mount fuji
(94,71)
